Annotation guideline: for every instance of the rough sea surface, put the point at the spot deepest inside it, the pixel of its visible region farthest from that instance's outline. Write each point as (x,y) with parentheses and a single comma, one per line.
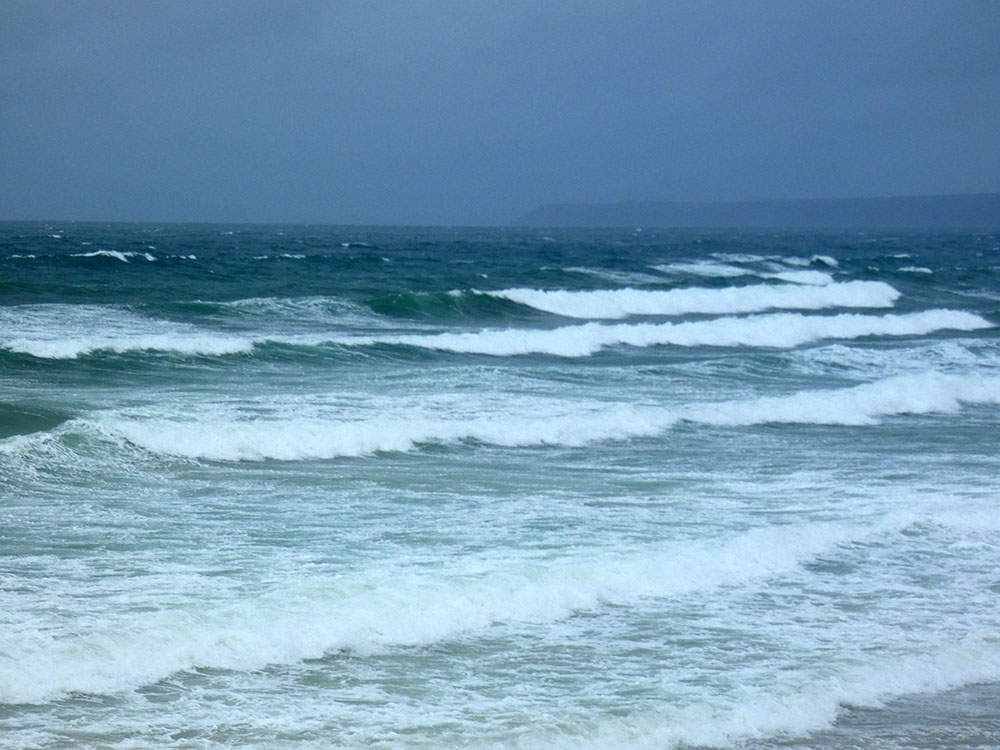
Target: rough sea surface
(321,487)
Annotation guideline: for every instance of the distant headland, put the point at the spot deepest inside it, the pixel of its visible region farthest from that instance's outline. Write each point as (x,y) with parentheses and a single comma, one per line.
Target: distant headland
(970,211)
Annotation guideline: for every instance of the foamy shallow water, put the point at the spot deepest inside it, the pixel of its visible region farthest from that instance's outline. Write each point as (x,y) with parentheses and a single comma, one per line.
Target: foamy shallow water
(320,487)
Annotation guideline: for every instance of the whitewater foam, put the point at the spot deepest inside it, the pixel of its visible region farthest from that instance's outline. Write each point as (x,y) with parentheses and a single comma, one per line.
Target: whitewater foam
(955,355)
(116,254)
(813,278)
(826,260)
(923,393)
(705,268)
(777,330)
(293,439)
(175,343)
(727,271)
(71,331)
(371,611)
(128,332)
(798,703)
(620,303)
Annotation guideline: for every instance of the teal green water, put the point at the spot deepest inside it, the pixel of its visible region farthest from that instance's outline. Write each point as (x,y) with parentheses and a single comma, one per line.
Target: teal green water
(320,487)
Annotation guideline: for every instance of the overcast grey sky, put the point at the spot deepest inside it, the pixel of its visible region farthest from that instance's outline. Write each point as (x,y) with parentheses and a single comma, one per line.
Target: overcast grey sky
(472,112)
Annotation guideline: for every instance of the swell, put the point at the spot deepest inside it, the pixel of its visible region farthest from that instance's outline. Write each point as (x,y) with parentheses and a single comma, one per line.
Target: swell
(445,306)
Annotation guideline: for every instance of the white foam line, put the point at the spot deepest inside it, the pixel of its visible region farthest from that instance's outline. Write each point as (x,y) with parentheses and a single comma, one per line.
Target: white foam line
(178,343)
(117,255)
(309,439)
(779,330)
(727,271)
(620,303)
(379,609)
(791,705)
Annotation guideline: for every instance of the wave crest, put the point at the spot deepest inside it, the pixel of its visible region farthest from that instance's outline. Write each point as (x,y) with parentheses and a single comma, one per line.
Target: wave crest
(620,303)
(310,439)
(779,330)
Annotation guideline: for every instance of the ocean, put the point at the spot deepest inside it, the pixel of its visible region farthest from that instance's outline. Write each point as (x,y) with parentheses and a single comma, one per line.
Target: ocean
(342,487)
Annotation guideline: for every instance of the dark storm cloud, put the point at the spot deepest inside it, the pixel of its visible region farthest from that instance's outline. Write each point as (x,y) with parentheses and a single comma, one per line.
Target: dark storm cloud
(470,112)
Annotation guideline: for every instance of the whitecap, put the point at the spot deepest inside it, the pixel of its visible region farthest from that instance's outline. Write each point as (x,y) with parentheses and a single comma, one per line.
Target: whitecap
(105,254)
(371,611)
(776,330)
(222,438)
(620,303)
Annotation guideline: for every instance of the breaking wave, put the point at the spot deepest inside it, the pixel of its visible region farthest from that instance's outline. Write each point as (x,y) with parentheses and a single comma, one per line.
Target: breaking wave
(294,439)
(115,254)
(713,269)
(620,303)
(778,330)
(795,705)
(369,612)
(92,330)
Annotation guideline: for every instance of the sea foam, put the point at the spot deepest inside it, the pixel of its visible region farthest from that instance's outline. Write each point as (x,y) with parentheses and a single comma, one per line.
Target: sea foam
(777,330)
(795,704)
(371,611)
(116,254)
(176,343)
(713,269)
(292,439)
(71,331)
(620,303)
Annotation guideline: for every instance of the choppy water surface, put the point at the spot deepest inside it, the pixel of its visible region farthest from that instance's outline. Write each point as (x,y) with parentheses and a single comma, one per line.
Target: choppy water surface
(315,487)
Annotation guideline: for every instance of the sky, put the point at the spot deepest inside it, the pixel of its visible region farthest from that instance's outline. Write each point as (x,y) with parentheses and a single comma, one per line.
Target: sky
(472,112)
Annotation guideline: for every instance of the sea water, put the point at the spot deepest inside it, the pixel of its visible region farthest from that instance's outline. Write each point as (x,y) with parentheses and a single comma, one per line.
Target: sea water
(325,487)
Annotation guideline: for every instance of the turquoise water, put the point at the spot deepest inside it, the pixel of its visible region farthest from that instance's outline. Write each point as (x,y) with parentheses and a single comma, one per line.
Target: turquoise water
(316,487)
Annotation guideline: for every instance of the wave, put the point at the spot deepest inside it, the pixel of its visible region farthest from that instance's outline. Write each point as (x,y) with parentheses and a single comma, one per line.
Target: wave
(923,393)
(295,439)
(616,276)
(371,611)
(295,312)
(951,355)
(813,278)
(60,333)
(183,343)
(620,303)
(115,254)
(442,304)
(714,269)
(826,260)
(779,330)
(795,704)
(25,420)
(708,268)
